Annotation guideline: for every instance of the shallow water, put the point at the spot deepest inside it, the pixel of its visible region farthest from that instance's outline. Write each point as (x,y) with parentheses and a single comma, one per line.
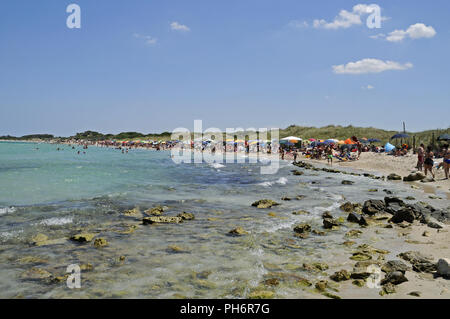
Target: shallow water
(59,193)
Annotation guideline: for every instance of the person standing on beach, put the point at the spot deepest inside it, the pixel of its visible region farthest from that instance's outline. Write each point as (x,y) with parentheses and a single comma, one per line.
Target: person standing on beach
(420,157)
(295,156)
(428,163)
(447,162)
(329,153)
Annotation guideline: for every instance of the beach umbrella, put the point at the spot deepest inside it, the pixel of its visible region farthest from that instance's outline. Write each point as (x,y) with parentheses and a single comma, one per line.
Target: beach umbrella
(312,139)
(444,137)
(374,140)
(290,139)
(400,135)
(331,141)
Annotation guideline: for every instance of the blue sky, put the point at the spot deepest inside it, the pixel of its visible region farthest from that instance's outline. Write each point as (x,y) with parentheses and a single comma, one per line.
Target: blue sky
(152,66)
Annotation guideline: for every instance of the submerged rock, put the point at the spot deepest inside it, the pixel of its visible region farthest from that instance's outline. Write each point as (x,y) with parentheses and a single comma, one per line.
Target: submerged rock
(302,228)
(346,182)
(347,207)
(155,211)
(135,212)
(265,203)
(186,216)
(100,242)
(83,237)
(329,223)
(353,233)
(238,231)
(36,273)
(301,212)
(162,220)
(39,240)
(261,294)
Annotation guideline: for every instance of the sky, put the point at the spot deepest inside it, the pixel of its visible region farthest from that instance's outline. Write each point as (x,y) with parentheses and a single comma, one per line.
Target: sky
(153,66)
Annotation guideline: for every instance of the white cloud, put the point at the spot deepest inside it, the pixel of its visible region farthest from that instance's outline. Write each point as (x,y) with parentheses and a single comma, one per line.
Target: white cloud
(298,24)
(415,31)
(346,19)
(376,36)
(179,27)
(369,66)
(368,87)
(148,39)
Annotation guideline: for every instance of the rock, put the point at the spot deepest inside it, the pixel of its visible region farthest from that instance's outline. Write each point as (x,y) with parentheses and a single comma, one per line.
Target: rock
(373,206)
(83,237)
(347,207)
(443,267)
(261,294)
(404,214)
(317,232)
(161,220)
(36,273)
(359,282)
(321,285)
(414,177)
(414,257)
(329,223)
(135,212)
(394,177)
(327,215)
(300,197)
(426,233)
(427,267)
(100,242)
(265,203)
(360,256)
(297,173)
(271,282)
(409,198)
(155,211)
(346,182)
(86,267)
(304,282)
(387,191)
(239,231)
(186,216)
(340,275)
(348,243)
(388,289)
(356,218)
(286,198)
(391,200)
(415,294)
(433,223)
(395,265)
(330,295)
(301,212)
(39,240)
(427,180)
(176,249)
(353,233)
(302,228)
(395,278)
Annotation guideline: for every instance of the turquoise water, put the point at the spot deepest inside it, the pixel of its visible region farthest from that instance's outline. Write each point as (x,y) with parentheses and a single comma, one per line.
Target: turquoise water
(60,193)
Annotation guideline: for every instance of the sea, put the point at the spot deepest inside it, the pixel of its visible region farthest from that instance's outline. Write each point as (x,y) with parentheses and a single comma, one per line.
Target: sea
(61,190)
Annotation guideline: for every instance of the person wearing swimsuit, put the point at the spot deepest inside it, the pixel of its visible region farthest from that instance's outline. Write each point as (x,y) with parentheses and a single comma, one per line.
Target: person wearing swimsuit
(428,163)
(447,163)
(420,157)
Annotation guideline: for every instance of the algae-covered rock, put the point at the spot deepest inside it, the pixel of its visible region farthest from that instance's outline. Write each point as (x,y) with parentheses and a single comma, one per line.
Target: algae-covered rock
(100,242)
(39,240)
(360,256)
(329,223)
(301,212)
(353,233)
(135,212)
(347,207)
(341,275)
(238,231)
(302,228)
(261,294)
(387,289)
(83,237)
(162,220)
(36,273)
(186,216)
(265,203)
(155,211)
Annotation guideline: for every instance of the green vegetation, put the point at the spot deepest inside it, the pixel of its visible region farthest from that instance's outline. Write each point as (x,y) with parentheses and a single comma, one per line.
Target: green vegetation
(330,131)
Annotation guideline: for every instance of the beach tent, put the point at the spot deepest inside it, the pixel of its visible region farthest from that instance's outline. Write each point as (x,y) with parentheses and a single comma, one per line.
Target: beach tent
(389,147)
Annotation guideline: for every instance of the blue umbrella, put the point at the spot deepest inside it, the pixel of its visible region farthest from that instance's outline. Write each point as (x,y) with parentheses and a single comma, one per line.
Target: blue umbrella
(374,140)
(444,137)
